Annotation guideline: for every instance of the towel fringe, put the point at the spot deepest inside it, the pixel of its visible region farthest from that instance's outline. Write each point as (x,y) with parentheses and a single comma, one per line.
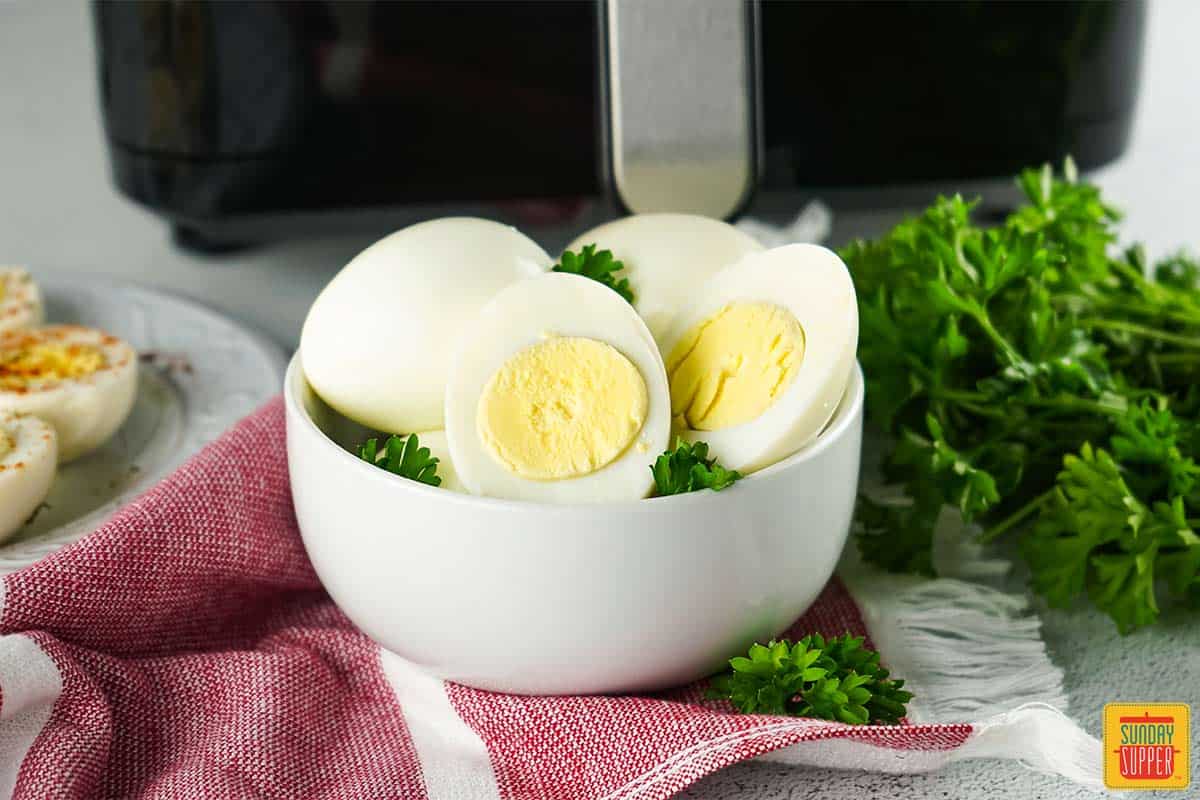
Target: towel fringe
(1042,739)
(969,651)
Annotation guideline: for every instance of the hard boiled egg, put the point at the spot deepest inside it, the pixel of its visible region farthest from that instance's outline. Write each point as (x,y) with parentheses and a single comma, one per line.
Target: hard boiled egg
(377,340)
(20,300)
(28,457)
(666,256)
(80,380)
(759,361)
(557,394)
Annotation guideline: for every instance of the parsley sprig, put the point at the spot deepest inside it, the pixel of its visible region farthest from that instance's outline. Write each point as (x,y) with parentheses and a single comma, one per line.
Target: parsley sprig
(688,468)
(599,266)
(836,679)
(403,456)
(1043,384)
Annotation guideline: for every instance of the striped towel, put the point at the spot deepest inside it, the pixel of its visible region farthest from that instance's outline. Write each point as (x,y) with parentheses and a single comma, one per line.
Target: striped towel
(186,650)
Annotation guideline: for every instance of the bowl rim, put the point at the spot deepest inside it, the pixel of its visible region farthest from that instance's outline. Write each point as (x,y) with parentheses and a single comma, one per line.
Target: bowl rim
(838,429)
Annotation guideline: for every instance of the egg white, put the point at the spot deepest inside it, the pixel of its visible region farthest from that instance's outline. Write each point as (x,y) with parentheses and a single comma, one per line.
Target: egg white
(666,256)
(377,340)
(813,284)
(83,411)
(523,315)
(20,300)
(28,458)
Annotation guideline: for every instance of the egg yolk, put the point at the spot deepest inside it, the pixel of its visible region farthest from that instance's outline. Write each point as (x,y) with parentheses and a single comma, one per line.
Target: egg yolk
(562,408)
(44,364)
(732,367)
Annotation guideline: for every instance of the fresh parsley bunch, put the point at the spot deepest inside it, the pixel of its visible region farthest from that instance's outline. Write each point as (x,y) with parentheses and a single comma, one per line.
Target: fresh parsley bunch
(599,266)
(403,456)
(836,679)
(1042,384)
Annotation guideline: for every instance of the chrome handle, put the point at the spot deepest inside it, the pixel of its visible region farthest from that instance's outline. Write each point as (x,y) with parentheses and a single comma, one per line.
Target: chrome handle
(682,103)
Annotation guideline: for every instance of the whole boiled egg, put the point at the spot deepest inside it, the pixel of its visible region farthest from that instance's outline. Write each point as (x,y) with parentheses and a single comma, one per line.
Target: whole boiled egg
(760,359)
(20,300)
(28,457)
(80,380)
(666,256)
(557,393)
(377,340)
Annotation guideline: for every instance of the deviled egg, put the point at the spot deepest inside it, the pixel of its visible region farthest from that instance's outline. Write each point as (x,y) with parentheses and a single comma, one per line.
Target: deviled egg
(758,362)
(20,300)
(558,394)
(28,457)
(666,256)
(80,380)
(377,340)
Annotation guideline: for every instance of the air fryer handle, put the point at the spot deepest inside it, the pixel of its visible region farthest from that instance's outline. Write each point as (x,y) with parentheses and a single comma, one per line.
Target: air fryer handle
(682,103)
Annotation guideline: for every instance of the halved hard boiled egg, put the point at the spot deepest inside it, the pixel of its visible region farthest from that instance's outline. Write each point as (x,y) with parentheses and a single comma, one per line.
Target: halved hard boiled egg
(666,256)
(557,393)
(20,300)
(28,457)
(80,380)
(759,360)
(377,340)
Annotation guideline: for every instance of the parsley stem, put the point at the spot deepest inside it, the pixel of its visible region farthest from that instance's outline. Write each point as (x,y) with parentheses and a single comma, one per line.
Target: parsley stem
(958,395)
(1072,403)
(985,323)
(1143,331)
(1126,306)
(1015,518)
(974,402)
(1069,403)
(1176,358)
(961,257)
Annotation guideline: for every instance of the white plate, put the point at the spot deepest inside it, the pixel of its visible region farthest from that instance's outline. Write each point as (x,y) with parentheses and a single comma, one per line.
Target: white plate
(201,372)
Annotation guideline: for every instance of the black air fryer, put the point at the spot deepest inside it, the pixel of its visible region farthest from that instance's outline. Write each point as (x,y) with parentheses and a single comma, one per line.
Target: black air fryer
(242,121)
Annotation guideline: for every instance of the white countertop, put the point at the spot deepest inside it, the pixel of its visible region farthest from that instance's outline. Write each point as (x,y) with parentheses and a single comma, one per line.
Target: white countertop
(59,211)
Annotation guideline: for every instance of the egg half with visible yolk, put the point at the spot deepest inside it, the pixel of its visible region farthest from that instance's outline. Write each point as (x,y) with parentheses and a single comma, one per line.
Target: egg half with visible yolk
(666,256)
(28,457)
(759,361)
(80,380)
(377,340)
(557,394)
(20,300)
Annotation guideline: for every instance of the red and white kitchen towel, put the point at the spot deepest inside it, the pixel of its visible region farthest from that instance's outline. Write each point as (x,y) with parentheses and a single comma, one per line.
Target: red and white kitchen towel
(186,649)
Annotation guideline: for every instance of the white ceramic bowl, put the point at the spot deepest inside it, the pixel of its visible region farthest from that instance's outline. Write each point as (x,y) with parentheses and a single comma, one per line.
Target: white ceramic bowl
(550,599)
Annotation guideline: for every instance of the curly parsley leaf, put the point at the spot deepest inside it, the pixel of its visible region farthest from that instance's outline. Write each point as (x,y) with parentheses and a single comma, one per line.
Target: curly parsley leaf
(1180,271)
(599,266)
(688,468)
(836,679)
(403,456)
(898,537)
(1099,535)
(1038,381)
